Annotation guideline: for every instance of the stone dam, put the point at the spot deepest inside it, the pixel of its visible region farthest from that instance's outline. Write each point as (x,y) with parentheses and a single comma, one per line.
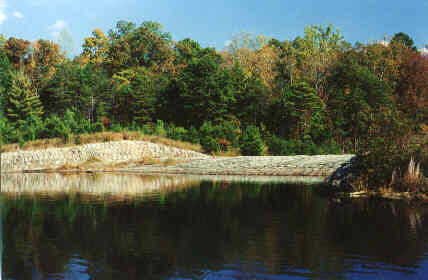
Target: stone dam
(189,162)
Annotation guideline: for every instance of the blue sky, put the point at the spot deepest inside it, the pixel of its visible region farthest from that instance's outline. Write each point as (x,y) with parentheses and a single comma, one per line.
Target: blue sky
(212,23)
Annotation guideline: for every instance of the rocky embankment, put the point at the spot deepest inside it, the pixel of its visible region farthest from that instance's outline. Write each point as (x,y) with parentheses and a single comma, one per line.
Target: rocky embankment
(320,165)
(109,152)
(189,162)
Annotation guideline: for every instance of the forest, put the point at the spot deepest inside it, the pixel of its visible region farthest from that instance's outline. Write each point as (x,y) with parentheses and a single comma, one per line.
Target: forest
(316,94)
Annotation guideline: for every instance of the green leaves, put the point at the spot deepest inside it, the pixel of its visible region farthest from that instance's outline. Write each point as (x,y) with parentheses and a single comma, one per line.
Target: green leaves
(204,91)
(23,101)
(250,142)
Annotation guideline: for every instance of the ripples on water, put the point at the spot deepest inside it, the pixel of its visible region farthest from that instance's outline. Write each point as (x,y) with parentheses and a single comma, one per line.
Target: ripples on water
(187,227)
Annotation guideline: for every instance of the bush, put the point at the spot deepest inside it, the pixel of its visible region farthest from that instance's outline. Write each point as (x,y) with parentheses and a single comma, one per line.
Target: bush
(282,147)
(226,135)
(159,129)
(207,134)
(250,142)
(8,131)
(116,127)
(97,127)
(176,133)
(192,136)
(147,129)
(210,145)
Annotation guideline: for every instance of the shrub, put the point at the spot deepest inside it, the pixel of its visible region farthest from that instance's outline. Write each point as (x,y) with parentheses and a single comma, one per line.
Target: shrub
(278,146)
(97,127)
(282,147)
(176,133)
(192,136)
(223,144)
(226,135)
(250,142)
(159,129)
(208,138)
(210,145)
(8,131)
(116,127)
(147,129)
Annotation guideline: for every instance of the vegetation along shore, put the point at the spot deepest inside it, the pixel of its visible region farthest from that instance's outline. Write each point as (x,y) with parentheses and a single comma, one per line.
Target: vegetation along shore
(314,95)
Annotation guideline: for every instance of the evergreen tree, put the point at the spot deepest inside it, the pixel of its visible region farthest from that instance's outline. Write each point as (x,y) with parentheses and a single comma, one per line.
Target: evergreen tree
(23,101)
(202,91)
(5,80)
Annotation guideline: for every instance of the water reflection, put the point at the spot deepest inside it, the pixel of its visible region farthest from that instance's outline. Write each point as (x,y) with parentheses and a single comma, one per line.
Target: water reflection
(1,235)
(121,186)
(200,229)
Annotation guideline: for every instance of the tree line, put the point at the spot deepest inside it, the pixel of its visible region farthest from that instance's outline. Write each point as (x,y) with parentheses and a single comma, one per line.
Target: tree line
(315,90)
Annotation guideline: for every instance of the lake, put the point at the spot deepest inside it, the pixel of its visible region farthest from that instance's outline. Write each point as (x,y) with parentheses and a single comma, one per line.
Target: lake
(189,227)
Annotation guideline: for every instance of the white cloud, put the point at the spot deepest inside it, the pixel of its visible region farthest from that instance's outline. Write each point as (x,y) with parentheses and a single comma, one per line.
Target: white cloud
(227,43)
(3,16)
(18,14)
(58,26)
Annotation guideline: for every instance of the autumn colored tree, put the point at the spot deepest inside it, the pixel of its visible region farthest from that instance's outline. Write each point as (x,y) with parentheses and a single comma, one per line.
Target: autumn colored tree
(16,51)
(95,48)
(316,52)
(255,56)
(411,93)
(42,61)
(382,60)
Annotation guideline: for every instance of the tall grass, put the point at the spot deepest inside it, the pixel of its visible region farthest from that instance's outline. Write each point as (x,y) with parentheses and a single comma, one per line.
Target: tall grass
(412,180)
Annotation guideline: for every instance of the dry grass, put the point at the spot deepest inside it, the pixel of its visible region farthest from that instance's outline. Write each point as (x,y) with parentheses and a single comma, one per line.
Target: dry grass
(89,163)
(155,161)
(413,174)
(96,163)
(412,181)
(100,137)
(232,152)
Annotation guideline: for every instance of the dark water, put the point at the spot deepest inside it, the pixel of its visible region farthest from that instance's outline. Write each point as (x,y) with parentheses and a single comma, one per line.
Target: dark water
(211,230)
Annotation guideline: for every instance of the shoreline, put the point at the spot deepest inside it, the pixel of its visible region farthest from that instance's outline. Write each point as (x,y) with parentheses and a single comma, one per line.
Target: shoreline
(145,157)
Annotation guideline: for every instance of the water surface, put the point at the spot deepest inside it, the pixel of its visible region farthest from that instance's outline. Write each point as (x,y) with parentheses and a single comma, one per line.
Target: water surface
(151,227)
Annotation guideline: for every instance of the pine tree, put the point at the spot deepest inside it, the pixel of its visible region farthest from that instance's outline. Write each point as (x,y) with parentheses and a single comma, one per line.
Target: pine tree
(23,101)
(5,80)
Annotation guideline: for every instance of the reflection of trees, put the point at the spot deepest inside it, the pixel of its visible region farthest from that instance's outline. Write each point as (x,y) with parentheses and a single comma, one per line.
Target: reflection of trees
(387,231)
(281,227)
(1,233)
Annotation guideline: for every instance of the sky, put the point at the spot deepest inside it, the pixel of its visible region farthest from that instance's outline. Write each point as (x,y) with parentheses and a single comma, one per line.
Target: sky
(214,23)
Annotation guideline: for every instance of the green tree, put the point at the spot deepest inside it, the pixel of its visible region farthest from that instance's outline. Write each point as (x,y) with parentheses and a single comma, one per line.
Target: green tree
(405,39)
(251,97)
(292,113)
(23,101)
(201,91)
(137,94)
(250,142)
(81,88)
(355,94)
(5,80)
(145,46)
